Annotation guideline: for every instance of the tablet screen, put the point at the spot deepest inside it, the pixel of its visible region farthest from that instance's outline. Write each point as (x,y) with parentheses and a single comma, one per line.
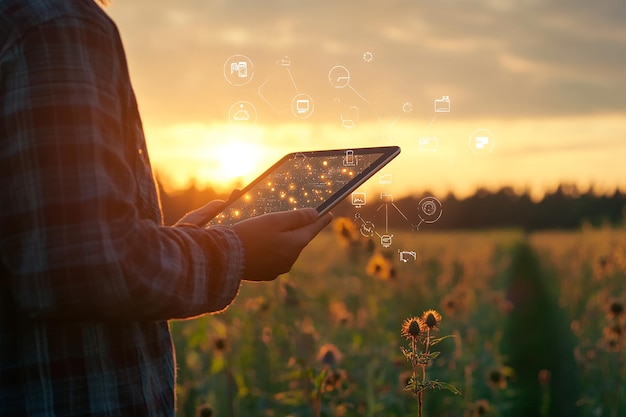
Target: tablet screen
(318,179)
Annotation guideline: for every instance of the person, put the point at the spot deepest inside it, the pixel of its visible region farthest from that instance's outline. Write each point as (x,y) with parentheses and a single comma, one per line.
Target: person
(89,276)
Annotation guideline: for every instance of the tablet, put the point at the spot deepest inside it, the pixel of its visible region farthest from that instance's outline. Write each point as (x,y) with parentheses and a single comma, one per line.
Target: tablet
(319,179)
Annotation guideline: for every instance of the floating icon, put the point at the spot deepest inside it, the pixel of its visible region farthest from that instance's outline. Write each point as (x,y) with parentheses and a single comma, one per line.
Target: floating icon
(428,144)
(348,120)
(368,56)
(367,229)
(302,106)
(429,210)
(406,256)
(339,76)
(350,159)
(482,141)
(359,199)
(385,240)
(284,62)
(407,107)
(386,198)
(242,113)
(442,105)
(385,179)
(238,70)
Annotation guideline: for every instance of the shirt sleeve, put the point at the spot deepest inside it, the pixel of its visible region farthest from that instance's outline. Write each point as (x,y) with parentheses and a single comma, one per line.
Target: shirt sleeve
(72,241)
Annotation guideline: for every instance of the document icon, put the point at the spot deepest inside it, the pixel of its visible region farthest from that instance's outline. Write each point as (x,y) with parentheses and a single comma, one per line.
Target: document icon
(240,68)
(442,105)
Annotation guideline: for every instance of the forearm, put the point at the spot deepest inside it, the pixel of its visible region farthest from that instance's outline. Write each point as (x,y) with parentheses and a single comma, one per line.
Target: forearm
(148,273)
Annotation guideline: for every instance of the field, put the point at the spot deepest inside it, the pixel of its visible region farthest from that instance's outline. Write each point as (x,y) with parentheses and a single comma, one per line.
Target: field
(536,325)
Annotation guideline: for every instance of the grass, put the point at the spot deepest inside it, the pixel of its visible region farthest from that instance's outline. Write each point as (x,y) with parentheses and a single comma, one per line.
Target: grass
(324,340)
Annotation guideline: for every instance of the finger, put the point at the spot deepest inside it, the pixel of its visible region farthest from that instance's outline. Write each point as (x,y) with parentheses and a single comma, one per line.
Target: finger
(235,194)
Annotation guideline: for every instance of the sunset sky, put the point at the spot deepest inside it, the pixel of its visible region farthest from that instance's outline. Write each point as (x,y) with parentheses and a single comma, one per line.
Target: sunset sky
(545,81)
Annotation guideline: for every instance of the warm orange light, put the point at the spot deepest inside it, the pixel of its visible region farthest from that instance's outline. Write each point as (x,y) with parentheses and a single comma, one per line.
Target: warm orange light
(237,159)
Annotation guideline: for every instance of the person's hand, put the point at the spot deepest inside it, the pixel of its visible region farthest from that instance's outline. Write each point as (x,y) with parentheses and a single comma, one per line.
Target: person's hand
(202,215)
(274,241)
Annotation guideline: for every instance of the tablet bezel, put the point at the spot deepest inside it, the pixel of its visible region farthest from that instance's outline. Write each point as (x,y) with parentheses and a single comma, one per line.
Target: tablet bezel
(387,154)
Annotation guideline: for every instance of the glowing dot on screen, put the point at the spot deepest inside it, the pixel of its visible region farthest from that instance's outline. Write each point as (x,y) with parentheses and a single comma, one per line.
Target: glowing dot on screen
(237,213)
(325,163)
(247,197)
(273,189)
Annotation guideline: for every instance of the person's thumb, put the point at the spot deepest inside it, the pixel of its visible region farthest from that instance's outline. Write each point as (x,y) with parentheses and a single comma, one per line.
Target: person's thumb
(202,215)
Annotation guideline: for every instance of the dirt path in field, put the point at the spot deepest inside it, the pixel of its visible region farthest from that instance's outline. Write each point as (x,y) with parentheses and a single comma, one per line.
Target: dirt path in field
(536,339)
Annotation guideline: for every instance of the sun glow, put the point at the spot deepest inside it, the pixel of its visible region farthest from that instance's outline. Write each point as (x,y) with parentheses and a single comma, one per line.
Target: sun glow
(238,159)
(531,154)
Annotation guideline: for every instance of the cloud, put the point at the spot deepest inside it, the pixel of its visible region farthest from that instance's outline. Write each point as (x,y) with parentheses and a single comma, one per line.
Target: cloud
(495,58)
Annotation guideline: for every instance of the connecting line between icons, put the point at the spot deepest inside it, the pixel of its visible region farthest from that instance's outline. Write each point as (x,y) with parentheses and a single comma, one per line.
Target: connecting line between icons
(258,91)
(432,120)
(386,205)
(292,80)
(416,227)
(395,120)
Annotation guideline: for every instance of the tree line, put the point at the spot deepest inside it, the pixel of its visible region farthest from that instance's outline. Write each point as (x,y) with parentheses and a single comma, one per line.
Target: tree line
(564,208)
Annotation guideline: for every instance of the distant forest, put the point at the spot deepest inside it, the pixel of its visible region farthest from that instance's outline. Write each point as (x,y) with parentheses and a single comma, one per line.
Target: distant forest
(564,208)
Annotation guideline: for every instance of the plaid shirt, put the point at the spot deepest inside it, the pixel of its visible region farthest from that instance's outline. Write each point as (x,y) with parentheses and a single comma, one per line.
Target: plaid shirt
(88,274)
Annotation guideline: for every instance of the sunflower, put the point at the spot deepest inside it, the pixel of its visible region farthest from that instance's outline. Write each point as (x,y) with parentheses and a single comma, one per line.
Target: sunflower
(431,319)
(346,231)
(379,266)
(329,356)
(413,328)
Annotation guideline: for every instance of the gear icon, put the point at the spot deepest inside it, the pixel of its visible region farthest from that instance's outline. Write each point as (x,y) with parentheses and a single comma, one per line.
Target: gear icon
(368,56)
(407,107)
